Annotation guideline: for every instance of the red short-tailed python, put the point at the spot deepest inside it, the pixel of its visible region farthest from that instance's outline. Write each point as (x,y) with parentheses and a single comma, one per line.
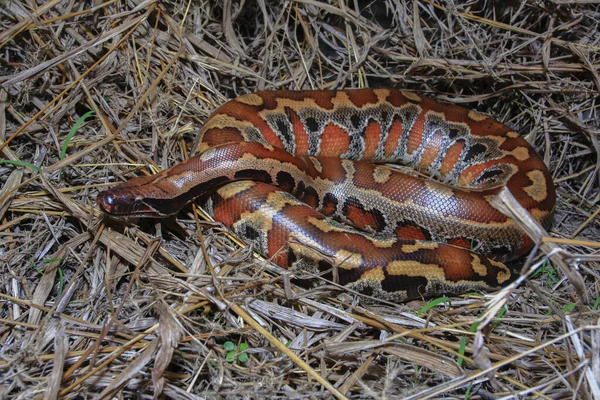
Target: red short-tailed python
(298,174)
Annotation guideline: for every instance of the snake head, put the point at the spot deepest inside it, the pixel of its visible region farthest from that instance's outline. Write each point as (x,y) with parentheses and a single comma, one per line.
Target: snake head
(123,202)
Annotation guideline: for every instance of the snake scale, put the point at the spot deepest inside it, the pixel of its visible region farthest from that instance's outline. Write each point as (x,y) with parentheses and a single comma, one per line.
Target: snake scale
(299,175)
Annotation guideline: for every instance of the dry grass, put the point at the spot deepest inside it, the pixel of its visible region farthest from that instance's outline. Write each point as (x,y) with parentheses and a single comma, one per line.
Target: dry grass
(94,308)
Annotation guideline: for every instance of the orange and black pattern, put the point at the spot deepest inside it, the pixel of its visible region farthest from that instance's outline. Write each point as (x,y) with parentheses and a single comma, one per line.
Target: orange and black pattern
(298,174)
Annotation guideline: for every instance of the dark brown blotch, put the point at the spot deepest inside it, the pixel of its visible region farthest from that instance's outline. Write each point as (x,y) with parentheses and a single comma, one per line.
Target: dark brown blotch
(410,230)
(452,133)
(309,196)
(285,181)
(476,150)
(311,124)
(356,120)
(414,286)
(362,218)
(250,233)
(284,129)
(253,175)
(330,203)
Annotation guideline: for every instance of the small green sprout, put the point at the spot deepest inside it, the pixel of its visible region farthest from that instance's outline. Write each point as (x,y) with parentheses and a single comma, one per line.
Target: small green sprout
(234,353)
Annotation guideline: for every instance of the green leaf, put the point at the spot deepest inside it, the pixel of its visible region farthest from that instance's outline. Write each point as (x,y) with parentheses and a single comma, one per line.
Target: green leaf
(501,312)
(243,358)
(468,392)
(72,132)
(230,357)
(461,349)
(38,269)
(22,164)
(433,303)
(568,307)
(473,243)
(229,346)
(243,346)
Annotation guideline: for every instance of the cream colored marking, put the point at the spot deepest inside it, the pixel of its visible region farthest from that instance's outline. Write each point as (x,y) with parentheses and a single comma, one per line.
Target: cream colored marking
(323,225)
(478,267)
(225,121)
(411,95)
(440,114)
(538,214)
(316,163)
(504,275)
(512,134)
(381,174)
(263,217)
(202,148)
(267,163)
(249,156)
(282,102)
(341,99)
(417,269)
(537,190)
(442,191)
(520,153)
(482,270)
(251,99)
(477,116)
(234,188)
(411,248)
(278,200)
(381,94)
(382,243)
(345,259)
(307,248)
(374,274)
(350,170)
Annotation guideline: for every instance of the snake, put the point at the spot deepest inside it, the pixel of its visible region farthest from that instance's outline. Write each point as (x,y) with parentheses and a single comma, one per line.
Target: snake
(386,191)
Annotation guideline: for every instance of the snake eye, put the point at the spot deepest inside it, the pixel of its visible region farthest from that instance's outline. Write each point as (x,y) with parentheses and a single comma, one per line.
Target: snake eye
(106,202)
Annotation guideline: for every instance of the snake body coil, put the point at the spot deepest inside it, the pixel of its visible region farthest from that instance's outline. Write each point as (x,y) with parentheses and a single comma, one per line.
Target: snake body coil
(296,173)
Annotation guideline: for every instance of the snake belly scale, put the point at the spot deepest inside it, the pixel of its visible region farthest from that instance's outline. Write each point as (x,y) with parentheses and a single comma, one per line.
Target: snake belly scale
(299,175)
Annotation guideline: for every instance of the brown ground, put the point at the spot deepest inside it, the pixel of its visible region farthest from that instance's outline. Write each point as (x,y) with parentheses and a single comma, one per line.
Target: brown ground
(136,309)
